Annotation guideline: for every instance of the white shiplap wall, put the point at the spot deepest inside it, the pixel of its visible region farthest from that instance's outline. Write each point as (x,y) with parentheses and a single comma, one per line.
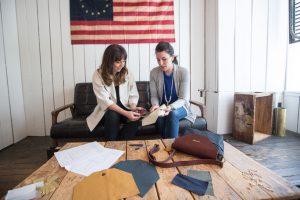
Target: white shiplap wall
(246,48)
(292,105)
(39,67)
(12,124)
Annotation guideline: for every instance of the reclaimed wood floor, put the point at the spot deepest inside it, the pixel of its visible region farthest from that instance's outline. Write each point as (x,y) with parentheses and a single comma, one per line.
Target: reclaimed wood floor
(282,155)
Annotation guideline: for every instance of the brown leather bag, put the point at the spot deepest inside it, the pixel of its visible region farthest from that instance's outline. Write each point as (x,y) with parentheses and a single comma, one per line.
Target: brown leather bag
(193,144)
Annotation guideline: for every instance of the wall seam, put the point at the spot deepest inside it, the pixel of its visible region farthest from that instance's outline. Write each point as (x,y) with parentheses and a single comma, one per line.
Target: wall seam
(190,45)
(51,56)
(12,128)
(250,58)
(62,56)
(234,52)
(38,29)
(267,48)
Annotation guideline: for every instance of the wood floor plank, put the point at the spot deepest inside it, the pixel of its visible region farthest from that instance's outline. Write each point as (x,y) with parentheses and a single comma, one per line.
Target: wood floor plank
(278,185)
(166,189)
(223,192)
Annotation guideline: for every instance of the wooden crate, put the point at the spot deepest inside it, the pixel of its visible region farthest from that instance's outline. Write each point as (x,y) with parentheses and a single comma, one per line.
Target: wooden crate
(252,116)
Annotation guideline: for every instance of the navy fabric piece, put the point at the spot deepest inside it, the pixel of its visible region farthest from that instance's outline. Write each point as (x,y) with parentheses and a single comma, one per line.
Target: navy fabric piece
(194,185)
(203,176)
(91,10)
(144,174)
(168,84)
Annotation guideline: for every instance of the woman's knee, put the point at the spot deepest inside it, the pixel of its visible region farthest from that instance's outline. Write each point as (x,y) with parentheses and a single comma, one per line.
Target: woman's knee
(173,115)
(111,114)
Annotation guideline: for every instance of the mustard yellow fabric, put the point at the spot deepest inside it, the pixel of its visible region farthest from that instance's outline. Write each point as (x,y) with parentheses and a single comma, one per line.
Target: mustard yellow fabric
(108,184)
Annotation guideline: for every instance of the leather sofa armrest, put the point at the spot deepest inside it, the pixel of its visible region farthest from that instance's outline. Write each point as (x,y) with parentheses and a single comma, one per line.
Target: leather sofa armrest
(55,112)
(201,106)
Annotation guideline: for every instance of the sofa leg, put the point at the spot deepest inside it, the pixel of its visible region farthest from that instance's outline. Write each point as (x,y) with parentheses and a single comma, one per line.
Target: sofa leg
(52,149)
(54,143)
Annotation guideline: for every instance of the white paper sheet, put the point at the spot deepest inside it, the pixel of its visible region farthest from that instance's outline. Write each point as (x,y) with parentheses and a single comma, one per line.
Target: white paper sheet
(97,163)
(88,158)
(24,193)
(68,156)
(152,117)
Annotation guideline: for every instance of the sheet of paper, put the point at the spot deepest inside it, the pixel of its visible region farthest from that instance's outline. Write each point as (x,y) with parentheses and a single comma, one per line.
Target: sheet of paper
(82,152)
(26,192)
(98,162)
(88,158)
(152,117)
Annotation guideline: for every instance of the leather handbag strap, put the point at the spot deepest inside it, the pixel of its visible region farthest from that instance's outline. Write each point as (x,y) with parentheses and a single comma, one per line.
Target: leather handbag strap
(164,163)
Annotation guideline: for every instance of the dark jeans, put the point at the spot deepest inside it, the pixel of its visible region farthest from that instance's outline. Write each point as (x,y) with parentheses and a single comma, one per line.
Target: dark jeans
(112,122)
(168,126)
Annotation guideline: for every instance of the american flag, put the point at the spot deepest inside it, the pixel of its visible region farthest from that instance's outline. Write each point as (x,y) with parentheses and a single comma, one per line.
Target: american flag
(121,21)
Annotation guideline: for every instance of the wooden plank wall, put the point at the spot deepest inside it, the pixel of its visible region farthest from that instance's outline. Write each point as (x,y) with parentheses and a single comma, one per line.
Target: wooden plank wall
(39,67)
(293,69)
(246,51)
(292,105)
(12,113)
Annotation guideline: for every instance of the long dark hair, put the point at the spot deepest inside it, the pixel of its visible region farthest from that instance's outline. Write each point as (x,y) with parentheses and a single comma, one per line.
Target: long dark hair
(112,53)
(167,47)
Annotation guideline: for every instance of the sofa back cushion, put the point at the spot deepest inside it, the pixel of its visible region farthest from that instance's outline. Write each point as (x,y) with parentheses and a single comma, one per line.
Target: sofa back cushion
(85,99)
(144,93)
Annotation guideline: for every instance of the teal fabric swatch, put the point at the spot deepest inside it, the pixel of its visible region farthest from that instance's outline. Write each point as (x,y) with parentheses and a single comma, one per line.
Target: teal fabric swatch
(203,176)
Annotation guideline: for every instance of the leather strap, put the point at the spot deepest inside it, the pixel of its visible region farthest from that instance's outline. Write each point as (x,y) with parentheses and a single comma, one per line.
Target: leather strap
(164,163)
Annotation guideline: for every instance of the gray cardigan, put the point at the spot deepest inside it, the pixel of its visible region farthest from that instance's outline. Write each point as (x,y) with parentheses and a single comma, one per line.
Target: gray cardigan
(182,85)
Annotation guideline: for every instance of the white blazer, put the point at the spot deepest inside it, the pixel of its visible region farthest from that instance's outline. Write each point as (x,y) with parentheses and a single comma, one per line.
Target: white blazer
(106,96)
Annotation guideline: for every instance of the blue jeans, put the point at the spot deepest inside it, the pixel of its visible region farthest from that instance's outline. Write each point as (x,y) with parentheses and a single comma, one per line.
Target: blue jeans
(168,126)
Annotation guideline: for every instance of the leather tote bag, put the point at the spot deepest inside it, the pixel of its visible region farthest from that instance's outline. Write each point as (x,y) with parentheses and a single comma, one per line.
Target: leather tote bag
(208,147)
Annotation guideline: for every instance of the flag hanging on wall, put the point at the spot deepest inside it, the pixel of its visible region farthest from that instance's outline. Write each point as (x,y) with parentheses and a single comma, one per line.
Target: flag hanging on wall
(121,21)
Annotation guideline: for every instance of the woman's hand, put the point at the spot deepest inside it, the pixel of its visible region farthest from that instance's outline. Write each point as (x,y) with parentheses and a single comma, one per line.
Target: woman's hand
(140,110)
(133,116)
(167,110)
(153,108)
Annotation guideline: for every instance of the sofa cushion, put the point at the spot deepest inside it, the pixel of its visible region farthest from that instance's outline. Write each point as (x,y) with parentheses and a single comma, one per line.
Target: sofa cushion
(84,99)
(77,128)
(144,94)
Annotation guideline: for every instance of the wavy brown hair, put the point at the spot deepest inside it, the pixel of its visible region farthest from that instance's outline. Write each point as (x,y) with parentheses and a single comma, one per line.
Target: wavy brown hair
(113,53)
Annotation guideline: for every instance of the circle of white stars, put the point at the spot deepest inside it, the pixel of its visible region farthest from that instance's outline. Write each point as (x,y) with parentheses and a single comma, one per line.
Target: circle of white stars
(92,11)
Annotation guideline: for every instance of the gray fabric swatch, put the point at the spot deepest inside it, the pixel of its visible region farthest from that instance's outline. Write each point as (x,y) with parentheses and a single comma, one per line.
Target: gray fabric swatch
(203,176)
(144,174)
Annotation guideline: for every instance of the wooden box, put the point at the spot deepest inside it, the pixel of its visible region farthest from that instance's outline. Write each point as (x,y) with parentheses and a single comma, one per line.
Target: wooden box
(252,116)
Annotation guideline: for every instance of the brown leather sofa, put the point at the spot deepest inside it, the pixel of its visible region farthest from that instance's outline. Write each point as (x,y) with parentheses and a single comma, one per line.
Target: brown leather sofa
(85,102)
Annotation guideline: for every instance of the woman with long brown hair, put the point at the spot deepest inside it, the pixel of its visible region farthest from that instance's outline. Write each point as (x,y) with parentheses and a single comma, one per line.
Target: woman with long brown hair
(117,96)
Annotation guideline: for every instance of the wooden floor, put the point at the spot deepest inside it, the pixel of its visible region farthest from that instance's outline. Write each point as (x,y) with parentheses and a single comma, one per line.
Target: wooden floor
(281,155)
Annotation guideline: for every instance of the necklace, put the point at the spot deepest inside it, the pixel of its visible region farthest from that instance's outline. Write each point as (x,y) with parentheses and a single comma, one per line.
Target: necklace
(170,98)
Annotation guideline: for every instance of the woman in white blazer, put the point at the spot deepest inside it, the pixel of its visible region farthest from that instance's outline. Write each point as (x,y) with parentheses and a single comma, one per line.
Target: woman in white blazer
(170,85)
(117,96)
